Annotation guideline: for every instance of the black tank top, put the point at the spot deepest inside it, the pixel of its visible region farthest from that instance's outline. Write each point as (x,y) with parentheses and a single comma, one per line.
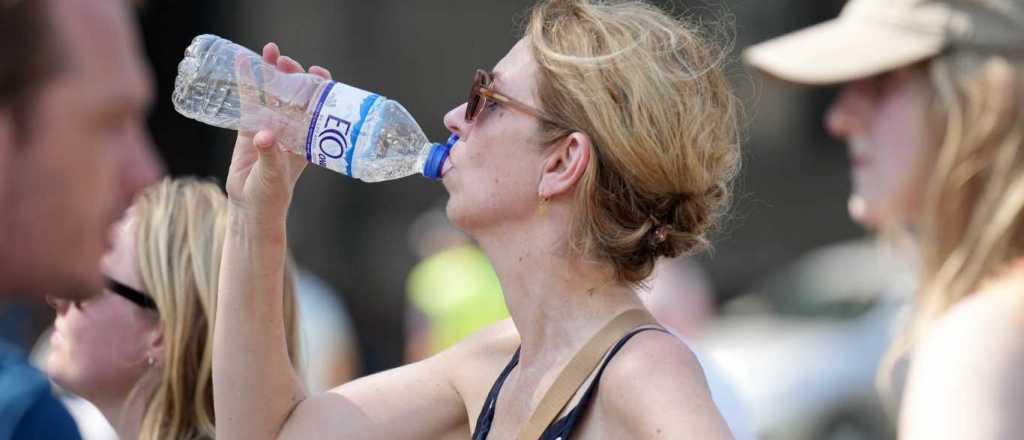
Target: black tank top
(563,428)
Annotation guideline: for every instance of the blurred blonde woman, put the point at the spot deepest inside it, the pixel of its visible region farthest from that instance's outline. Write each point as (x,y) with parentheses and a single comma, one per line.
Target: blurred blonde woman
(141,351)
(932,108)
(604,140)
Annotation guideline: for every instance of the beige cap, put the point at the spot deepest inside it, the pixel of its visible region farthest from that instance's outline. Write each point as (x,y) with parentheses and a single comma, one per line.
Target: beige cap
(873,36)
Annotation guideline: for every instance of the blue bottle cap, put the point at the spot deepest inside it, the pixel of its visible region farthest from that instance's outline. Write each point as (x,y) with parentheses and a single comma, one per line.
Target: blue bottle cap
(438,155)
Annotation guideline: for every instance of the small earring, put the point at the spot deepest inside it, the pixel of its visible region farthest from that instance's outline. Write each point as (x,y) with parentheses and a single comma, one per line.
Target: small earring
(150,361)
(542,207)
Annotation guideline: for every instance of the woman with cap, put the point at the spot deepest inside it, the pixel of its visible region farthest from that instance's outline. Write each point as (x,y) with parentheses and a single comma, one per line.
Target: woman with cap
(932,109)
(604,140)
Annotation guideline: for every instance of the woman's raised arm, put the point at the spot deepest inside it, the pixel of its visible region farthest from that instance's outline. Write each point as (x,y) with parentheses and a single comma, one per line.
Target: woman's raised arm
(257,393)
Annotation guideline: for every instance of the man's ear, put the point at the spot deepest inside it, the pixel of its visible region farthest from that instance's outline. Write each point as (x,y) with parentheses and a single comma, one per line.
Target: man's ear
(565,165)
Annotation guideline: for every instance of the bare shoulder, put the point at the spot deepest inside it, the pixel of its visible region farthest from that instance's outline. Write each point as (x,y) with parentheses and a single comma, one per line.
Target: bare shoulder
(974,352)
(496,340)
(450,387)
(474,363)
(478,356)
(985,327)
(655,388)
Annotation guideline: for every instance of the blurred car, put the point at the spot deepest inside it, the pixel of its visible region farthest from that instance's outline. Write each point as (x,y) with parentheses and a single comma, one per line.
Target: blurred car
(803,347)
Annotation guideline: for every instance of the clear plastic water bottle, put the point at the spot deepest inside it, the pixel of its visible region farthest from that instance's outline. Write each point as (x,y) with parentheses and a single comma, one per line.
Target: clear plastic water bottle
(339,127)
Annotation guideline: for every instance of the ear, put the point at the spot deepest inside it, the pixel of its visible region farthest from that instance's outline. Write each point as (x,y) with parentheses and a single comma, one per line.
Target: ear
(565,165)
(155,340)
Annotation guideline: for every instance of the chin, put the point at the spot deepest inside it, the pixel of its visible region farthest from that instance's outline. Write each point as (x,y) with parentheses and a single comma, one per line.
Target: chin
(859,211)
(865,212)
(56,372)
(468,218)
(875,214)
(455,215)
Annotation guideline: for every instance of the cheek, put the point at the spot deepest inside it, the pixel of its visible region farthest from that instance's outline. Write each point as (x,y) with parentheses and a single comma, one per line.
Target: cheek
(497,179)
(75,168)
(503,173)
(99,350)
(897,137)
(485,160)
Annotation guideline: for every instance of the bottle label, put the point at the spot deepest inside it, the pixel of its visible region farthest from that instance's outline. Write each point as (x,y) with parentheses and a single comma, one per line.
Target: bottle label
(334,129)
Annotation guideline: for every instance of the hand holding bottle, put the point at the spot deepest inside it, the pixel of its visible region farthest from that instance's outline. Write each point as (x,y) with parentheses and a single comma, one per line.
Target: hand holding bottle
(262,175)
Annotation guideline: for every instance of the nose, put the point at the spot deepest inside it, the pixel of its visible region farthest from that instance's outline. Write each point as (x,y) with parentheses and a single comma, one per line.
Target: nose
(849,111)
(58,304)
(140,167)
(455,120)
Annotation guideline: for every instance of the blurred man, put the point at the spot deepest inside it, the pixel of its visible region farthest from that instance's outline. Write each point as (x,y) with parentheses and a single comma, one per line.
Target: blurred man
(73,152)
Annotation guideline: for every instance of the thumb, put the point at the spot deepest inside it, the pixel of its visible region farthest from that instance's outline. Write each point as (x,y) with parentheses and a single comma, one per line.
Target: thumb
(271,165)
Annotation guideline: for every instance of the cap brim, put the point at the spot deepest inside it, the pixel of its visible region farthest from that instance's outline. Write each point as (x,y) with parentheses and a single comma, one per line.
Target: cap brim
(841,50)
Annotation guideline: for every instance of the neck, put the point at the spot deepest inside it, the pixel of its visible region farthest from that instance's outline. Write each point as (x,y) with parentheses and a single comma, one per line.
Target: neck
(556,301)
(125,412)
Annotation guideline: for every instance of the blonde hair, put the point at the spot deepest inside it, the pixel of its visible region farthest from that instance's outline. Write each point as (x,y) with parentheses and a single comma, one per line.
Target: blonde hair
(971,221)
(180,225)
(650,92)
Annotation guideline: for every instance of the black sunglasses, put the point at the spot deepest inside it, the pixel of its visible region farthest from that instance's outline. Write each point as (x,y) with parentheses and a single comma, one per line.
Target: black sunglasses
(140,299)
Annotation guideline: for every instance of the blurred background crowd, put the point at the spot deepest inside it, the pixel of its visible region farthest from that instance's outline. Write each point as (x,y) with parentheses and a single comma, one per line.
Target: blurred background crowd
(793,308)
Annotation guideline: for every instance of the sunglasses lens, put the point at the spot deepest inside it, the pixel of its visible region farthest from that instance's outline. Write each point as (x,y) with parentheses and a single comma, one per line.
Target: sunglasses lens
(473,103)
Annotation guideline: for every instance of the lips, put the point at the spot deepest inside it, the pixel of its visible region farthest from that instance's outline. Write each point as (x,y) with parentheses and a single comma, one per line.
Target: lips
(858,161)
(446,167)
(858,148)
(55,335)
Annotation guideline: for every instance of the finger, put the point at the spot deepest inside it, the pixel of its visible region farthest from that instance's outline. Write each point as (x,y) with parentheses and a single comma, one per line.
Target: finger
(271,53)
(288,65)
(273,165)
(320,71)
(264,139)
(268,156)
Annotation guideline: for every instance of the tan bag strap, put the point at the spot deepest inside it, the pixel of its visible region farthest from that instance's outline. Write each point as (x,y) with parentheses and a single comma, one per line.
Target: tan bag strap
(579,369)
